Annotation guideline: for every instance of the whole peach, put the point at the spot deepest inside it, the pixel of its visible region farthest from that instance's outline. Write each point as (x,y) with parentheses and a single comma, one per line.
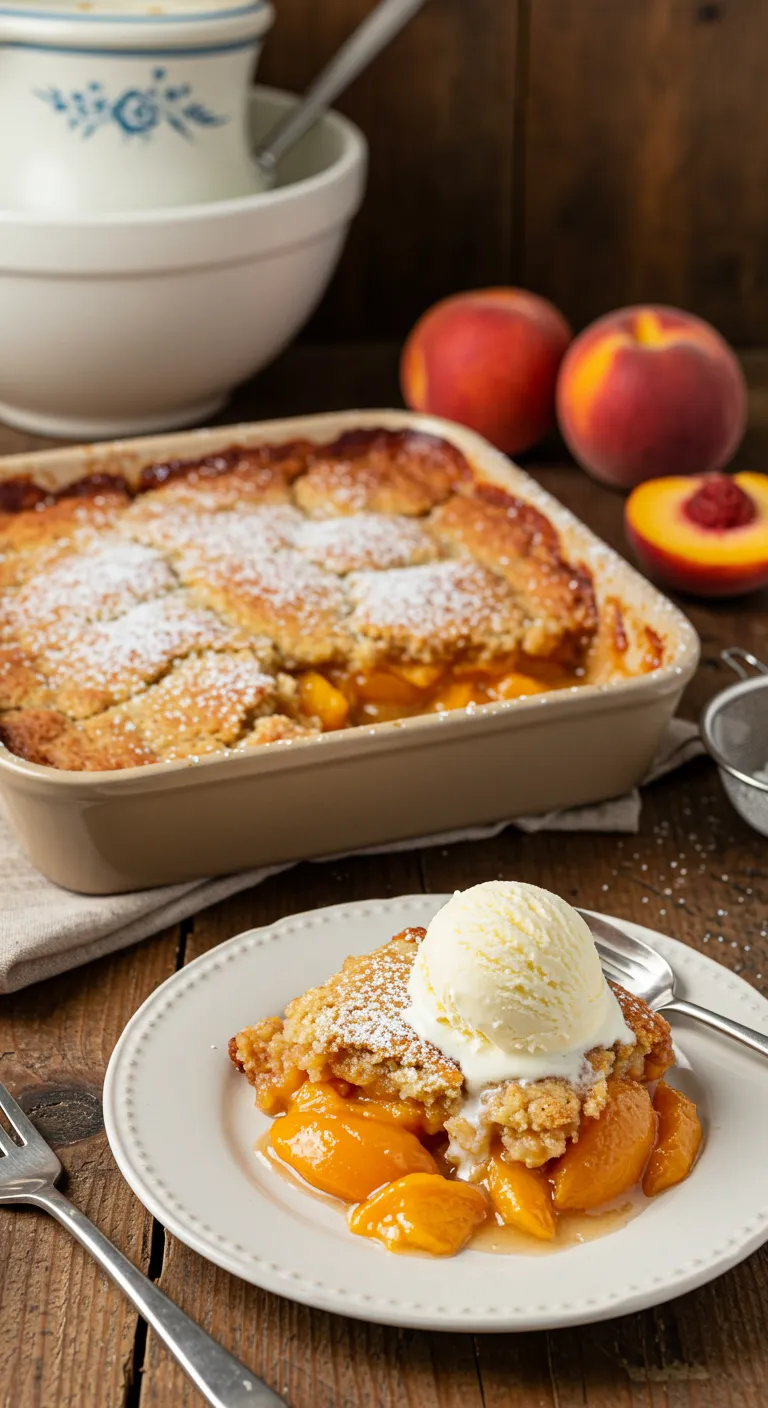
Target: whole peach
(650,392)
(489,360)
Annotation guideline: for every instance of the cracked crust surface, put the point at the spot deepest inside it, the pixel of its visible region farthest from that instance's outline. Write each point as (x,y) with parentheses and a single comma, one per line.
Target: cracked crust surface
(381,551)
(353,1028)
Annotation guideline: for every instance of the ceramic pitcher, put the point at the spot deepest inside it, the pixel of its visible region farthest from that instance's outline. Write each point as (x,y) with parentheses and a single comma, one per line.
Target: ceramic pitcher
(114,105)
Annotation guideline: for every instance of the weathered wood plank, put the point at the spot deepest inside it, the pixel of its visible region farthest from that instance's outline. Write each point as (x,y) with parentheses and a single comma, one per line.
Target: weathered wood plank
(66,1335)
(67,1339)
(437,109)
(646,143)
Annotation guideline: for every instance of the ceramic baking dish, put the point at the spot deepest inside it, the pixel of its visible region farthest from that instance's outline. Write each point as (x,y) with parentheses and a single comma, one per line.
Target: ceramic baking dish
(102,832)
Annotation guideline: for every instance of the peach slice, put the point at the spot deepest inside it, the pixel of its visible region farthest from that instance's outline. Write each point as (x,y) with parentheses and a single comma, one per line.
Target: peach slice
(611,1151)
(319,699)
(678,1143)
(456,695)
(422,676)
(421,1212)
(705,535)
(658,1064)
(521,1197)
(514,686)
(348,1157)
(405,1114)
(386,687)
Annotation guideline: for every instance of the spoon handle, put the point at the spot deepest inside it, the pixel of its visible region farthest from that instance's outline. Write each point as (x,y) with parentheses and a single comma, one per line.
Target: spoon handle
(363,45)
(747,1035)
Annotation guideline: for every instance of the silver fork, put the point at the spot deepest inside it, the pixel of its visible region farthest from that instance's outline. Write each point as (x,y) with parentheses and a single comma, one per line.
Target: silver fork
(638,967)
(28,1174)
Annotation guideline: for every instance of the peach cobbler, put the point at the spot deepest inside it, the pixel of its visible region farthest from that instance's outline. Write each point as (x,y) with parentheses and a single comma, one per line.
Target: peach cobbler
(266,594)
(480,1070)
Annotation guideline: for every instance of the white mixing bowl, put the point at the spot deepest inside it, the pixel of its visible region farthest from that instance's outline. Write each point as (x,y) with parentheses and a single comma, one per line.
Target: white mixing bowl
(120,324)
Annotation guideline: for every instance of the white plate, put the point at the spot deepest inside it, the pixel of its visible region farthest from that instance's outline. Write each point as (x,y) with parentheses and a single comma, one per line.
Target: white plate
(182,1126)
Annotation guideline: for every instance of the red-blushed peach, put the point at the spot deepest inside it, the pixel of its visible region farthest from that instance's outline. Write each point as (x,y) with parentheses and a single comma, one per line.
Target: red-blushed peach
(489,360)
(705,535)
(648,392)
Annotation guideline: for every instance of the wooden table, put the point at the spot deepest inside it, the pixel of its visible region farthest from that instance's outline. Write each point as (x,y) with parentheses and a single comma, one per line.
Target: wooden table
(69,1340)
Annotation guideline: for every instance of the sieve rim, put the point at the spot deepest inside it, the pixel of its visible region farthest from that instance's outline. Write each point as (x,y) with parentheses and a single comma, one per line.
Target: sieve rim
(710,712)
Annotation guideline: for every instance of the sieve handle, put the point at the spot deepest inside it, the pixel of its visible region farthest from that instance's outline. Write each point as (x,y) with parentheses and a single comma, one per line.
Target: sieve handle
(738,659)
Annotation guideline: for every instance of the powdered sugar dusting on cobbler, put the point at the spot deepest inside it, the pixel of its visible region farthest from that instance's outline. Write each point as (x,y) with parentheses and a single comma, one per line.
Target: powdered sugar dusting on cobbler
(436,607)
(366,540)
(349,558)
(354,1028)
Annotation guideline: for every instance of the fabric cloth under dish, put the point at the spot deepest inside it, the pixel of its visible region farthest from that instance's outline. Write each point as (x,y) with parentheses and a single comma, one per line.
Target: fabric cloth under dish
(44,930)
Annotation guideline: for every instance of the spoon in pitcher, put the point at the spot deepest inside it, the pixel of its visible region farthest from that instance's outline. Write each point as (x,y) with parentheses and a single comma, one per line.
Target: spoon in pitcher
(362,46)
(639,968)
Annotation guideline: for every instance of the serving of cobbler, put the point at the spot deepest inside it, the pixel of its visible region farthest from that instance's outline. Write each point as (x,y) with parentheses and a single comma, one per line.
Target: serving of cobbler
(369,1112)
(264,595)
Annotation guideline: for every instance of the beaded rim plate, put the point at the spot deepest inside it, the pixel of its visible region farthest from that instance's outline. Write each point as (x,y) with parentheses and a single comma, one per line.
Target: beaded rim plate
(182,1126)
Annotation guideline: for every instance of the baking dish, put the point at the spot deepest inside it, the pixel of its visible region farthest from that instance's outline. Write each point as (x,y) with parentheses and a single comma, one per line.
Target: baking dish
(103,832)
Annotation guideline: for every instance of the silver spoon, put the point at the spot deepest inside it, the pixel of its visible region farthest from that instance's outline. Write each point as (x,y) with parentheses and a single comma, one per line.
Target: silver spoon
(362,46)
(643,971)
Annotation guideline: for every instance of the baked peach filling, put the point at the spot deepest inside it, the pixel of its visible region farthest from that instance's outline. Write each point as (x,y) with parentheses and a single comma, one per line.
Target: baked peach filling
(339,698)
(386,1159)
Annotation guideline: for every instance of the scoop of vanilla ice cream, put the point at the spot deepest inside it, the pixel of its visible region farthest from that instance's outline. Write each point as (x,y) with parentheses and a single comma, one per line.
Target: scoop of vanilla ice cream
(508,983)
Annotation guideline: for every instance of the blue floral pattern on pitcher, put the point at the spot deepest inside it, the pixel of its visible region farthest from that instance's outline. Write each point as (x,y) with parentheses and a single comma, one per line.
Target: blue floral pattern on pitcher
(138,112)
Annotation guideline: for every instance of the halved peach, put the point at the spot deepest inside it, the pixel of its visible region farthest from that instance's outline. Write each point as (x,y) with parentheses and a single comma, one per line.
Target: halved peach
(611,1151)
(348,1157)
(678,1143)
(521,1197)
(707,535)
(421,1212)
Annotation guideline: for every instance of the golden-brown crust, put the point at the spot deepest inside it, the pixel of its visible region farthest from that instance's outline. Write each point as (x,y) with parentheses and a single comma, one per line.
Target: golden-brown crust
(140,646)
(380,472)
(280,595)
(381,547)
(21,684)
(276,728)
(38,528)
(515,540)
(367,542)
(207,703)
(235,477)
(30,733)
(438,612)
(354,1028)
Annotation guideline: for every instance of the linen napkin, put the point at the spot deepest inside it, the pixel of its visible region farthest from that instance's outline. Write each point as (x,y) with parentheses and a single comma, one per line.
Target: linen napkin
(45,930)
